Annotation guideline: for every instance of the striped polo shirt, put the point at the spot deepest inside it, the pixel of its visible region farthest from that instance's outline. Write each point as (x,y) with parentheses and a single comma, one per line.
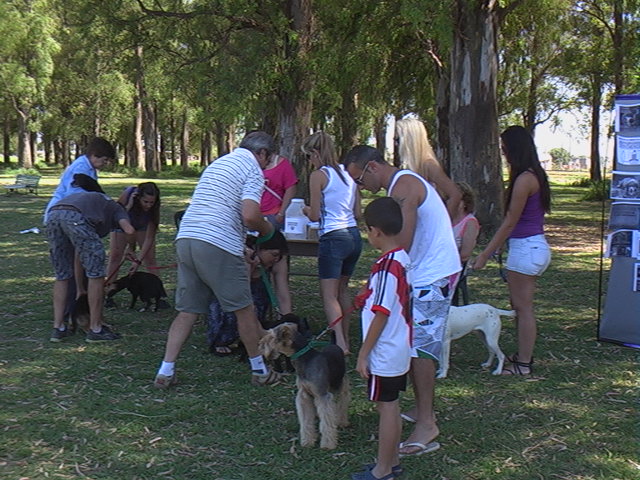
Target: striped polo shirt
(215,213)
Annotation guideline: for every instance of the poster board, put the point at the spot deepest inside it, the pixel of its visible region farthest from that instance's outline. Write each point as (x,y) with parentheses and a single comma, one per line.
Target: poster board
(620,322)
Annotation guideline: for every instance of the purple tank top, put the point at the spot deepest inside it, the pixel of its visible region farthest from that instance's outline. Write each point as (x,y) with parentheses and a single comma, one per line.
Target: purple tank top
(531,220)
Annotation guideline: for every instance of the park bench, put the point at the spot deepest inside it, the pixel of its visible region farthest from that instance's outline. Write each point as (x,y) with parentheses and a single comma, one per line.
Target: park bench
(28,182)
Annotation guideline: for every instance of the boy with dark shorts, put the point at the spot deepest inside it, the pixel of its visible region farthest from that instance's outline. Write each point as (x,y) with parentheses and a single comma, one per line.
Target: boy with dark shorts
(385,355)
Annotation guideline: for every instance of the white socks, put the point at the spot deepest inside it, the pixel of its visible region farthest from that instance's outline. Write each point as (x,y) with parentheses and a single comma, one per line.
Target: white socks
(257,365)
(167,369)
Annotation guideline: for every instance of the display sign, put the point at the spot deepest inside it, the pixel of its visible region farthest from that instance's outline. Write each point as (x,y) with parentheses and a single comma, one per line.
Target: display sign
(620,322)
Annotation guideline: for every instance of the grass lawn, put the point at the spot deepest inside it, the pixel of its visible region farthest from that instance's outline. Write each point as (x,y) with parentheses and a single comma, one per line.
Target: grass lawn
(78,410)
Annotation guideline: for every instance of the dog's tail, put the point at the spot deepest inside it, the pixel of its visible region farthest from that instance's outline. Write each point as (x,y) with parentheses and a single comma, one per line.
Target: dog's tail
(505,313)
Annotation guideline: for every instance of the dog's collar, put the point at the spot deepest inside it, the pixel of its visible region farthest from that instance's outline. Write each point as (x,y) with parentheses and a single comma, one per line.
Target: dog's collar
(307,347)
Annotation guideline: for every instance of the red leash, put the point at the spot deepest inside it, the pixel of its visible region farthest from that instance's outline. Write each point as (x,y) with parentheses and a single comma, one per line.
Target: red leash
(339,319)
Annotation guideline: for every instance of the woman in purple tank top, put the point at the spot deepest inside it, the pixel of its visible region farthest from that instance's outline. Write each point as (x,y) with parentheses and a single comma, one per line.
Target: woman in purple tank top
(528,199)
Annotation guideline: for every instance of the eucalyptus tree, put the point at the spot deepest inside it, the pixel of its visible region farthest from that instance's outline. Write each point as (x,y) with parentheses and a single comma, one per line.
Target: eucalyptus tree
(609,40)
(532,42)
(88,95)
(26,63)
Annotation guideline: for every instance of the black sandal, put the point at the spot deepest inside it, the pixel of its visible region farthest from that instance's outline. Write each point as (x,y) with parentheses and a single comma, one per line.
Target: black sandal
(516,366)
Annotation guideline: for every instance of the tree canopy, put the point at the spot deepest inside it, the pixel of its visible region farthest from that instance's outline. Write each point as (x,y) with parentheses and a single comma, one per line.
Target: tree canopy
(169,79)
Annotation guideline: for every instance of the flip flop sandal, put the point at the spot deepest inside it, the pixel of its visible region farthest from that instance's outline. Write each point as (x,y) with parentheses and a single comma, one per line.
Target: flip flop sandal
(421,448)
(407,418)
(222,351)
(367,475)
(397,470)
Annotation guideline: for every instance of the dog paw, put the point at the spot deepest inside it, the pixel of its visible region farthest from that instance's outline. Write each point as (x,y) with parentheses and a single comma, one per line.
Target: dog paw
(328,445)
(307,443)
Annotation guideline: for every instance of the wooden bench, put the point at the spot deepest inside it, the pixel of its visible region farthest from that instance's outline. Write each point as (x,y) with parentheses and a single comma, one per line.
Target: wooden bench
(28,182)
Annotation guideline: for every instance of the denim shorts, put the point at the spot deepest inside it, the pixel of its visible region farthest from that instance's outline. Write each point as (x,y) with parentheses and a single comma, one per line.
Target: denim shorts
(529,256)
(338,253)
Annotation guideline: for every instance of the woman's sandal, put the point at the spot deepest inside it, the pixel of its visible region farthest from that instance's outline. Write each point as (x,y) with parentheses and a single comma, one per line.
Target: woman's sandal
(516,367)
(221,351)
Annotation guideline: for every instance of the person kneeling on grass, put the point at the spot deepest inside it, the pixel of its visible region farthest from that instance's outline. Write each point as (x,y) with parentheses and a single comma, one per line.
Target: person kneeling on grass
(222,328)
(385,355)
(78,222)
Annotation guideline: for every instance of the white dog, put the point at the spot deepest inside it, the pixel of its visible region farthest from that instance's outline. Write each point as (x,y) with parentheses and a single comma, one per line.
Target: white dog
(463,320)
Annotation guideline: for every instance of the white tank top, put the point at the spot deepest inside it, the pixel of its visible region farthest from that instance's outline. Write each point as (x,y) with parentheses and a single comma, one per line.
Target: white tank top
(433,253)
(338,200)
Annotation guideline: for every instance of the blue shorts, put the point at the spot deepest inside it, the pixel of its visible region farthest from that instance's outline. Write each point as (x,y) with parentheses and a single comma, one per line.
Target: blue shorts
(529,256)
(338,253)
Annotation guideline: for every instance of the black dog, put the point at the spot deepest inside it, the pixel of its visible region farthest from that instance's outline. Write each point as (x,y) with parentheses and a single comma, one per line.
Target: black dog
(145,285)
(80,318)
(87,183)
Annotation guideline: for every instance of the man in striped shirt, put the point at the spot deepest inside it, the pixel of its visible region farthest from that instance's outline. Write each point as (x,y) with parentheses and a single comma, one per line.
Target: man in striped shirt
(210,251)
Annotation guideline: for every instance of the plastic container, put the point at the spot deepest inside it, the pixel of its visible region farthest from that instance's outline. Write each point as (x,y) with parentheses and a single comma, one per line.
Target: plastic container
(295,222)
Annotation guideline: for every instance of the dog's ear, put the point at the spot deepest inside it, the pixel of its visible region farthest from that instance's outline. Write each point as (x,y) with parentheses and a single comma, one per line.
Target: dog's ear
(286,333)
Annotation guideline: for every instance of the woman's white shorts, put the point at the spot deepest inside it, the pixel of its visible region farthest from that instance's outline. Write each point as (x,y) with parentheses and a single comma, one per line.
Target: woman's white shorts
(529,256)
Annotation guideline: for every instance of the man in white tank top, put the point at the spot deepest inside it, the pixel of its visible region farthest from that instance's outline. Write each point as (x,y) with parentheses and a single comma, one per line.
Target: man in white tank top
(435,265)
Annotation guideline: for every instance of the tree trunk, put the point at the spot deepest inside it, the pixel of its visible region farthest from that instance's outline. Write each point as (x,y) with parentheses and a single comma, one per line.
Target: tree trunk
(221,139)
(184,142)
(57,151)
(65,152)
(473,115)
(150,141)
(172,138)
(33,146)
(348,122)
(596,103)
(295,102)
(6,139)
(380,132)
(159,135)
(163,151)
(25,159)
(443,104)
(46,143)
(148,117)
(618,47)
(136,155)
(205,149)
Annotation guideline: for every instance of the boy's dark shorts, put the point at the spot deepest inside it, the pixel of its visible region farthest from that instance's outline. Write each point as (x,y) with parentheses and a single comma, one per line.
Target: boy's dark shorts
(386,389)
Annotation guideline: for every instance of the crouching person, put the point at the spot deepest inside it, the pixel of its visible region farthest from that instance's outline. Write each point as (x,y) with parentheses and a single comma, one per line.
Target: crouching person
(75,227)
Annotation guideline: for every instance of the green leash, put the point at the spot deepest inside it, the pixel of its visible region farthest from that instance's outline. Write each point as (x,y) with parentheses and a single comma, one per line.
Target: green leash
(312,344)
(269,288)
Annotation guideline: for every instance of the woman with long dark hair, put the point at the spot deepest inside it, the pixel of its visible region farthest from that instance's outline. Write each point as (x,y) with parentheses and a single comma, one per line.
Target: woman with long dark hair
(528,199)
(143,204)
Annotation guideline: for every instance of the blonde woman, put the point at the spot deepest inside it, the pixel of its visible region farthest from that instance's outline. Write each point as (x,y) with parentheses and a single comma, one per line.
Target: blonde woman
(335,203)
(412,147)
